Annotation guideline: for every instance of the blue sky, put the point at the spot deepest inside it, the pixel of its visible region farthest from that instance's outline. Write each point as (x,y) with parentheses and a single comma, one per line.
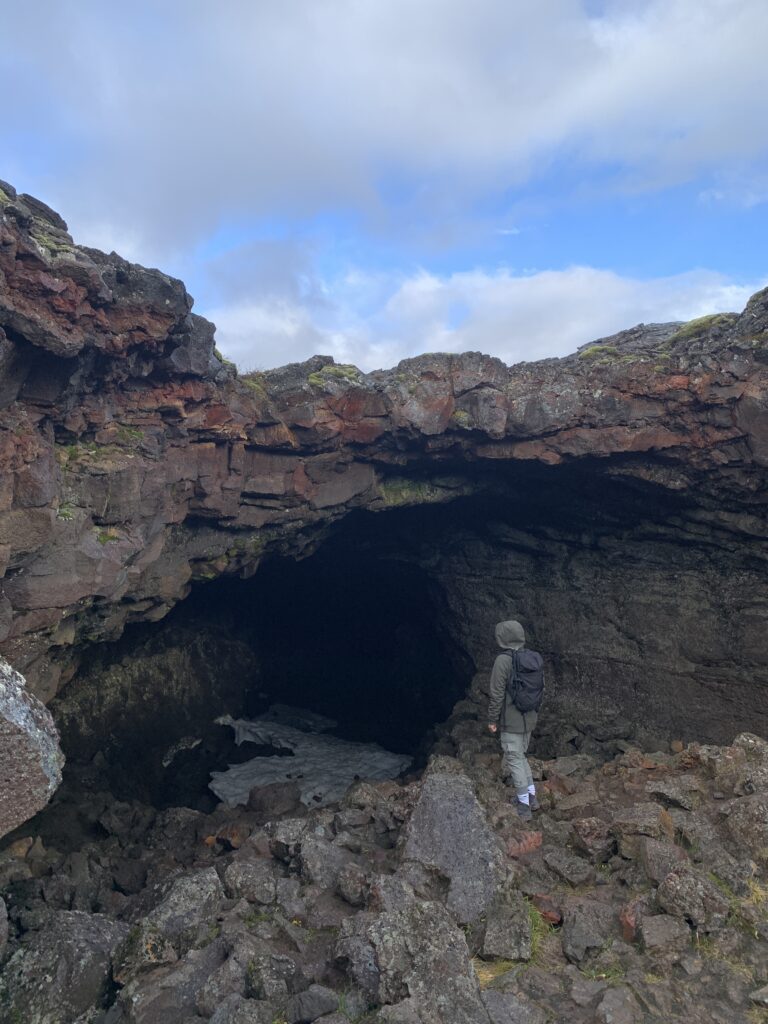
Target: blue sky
(377,178)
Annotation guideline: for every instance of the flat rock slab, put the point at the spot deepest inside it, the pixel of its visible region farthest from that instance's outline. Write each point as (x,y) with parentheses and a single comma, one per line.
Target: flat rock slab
(448,831)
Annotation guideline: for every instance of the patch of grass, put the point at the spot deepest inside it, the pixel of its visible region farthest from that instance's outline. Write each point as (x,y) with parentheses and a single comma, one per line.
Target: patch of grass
(256,383)
(541,929)
(342,371)
(701,325)
(598,972)
(598,352)
(758,893)
(66,511)
(129,435)
(254,917)
(488,971)
(107,537)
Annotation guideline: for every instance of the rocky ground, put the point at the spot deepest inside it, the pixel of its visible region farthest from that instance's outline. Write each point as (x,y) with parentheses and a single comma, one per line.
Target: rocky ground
(638,893)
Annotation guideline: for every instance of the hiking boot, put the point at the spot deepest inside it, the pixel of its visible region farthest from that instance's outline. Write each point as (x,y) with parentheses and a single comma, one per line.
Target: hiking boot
(533,803)
(523,811)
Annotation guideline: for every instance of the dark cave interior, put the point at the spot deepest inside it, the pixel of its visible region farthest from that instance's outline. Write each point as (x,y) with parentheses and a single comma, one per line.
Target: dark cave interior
(368,629)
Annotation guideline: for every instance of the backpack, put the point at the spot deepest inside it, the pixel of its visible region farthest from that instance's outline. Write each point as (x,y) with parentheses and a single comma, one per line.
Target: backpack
(525,686)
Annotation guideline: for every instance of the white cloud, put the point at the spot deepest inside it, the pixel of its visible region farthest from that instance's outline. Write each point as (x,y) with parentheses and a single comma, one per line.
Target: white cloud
(179,116)
(515,317)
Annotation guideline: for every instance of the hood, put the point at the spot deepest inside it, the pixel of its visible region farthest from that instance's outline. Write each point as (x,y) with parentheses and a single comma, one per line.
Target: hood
(510,635)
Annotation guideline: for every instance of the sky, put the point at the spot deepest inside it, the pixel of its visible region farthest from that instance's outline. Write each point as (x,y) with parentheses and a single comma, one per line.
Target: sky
(373,179)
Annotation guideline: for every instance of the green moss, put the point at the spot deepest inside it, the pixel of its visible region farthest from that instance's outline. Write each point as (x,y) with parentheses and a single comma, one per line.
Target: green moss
(702,325)
(255,382)
(461,418)
(342,371)
(129,435)
(397,491)
(55,246)
(106,536)
(598,352)
(66,511)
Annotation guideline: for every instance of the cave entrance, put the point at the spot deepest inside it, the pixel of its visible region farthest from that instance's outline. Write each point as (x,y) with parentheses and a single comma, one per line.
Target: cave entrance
(356,633)
(349,635)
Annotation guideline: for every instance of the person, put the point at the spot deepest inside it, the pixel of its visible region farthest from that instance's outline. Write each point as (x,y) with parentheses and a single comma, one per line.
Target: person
(516,727)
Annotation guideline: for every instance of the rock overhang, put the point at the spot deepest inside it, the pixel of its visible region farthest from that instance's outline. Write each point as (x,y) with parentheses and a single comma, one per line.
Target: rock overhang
(136,463)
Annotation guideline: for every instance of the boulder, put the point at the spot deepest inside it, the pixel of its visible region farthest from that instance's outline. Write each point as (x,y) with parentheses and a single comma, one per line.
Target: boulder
(448,831)
(252,880)
(307,1006)
(418,952)
(570,868)
(508,929)
(62,971)
(275,800)
(169,994)
(587,926)
(30,757)
(662,932)
(508,1008)
(748,824)
(688,894)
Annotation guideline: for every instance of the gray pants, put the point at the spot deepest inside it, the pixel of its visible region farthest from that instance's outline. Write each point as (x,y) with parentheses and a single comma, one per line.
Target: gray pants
(514,763)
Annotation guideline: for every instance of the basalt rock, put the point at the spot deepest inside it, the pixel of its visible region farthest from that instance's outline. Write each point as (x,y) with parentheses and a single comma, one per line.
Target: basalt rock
(30,756)
(613,500)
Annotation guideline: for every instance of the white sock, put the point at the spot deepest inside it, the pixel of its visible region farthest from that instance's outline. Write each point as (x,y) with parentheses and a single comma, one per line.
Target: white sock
(531,790)
(523,798)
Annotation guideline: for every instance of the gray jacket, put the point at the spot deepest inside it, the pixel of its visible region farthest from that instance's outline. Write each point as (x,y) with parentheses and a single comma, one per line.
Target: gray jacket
(510,636)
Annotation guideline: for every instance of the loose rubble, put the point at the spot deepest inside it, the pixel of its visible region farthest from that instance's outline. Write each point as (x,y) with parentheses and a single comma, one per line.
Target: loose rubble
(638,893)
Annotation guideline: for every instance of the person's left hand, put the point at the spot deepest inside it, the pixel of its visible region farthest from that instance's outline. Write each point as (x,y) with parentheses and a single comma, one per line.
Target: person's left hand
(492,728)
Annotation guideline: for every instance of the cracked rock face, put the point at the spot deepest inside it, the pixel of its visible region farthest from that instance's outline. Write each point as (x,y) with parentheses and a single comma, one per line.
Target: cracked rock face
(30,757)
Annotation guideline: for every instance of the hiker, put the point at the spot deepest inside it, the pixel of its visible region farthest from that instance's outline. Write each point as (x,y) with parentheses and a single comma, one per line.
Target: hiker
(517,687)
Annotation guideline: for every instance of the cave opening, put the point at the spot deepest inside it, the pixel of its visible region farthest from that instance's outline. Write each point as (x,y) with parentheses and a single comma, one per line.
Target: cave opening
(357,633)
(380,620)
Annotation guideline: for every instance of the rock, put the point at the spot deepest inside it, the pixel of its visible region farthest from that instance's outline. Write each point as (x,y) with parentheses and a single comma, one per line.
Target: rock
(619,1006)
(310,1004)
(269,976)
(748,824)
(230,977)
(587,925)
(321,861)
(275,800)
(416,950)
(508,929)
(448,831)
(186,915)
(570,868)
(253,880)
(30,757)
(661,932)
(352,884)
(237,1010)
(685,791)
(168,994)
(507,1008)
(688,894)
(285,837)
(760,996)
(593,837)
(63,971)
(3,926)
(658,858)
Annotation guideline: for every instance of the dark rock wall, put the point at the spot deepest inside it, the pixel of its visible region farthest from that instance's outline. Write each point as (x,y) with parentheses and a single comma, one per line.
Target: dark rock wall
(135,466)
